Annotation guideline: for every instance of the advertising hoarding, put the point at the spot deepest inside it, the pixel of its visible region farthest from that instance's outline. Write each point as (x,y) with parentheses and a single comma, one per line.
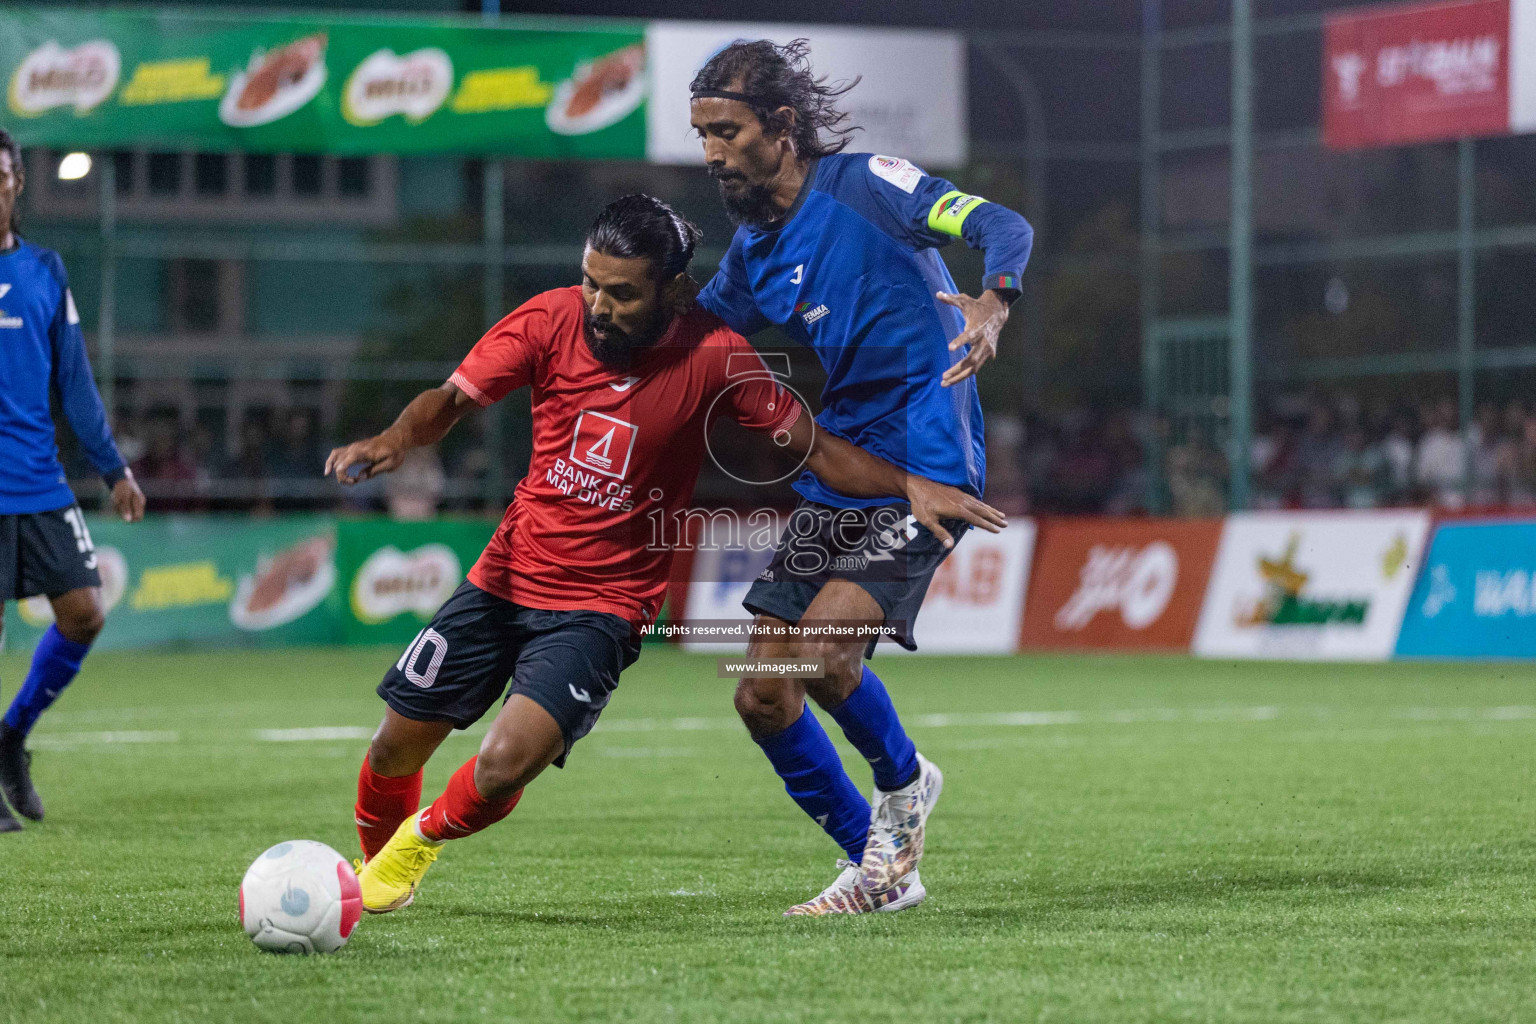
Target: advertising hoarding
(1477,595)
(1119,583)
(1311,585)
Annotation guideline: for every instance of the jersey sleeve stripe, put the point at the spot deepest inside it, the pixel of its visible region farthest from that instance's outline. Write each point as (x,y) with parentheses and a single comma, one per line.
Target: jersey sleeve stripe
(789,417)
(461,382)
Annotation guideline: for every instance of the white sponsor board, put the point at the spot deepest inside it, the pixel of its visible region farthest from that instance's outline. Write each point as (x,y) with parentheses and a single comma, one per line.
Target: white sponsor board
(1522,66)
(974,604)
(734,549)
(976,600)
(911,102)
(1311,586)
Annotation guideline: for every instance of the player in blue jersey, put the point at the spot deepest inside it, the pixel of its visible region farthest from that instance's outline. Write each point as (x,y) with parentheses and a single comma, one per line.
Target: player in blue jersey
(839,250)
(45,547)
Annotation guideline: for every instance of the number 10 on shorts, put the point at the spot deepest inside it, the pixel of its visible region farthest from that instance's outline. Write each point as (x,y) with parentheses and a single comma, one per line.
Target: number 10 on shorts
(423,658)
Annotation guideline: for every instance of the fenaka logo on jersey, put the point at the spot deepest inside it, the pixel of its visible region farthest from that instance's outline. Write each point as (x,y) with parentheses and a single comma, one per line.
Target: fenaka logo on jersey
(603,444)
(810,312)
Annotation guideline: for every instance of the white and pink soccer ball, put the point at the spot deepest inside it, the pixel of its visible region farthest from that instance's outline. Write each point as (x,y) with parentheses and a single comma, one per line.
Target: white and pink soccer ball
(300,897)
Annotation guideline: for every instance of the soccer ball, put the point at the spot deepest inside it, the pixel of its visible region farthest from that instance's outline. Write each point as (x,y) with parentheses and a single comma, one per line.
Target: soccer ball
(300,897)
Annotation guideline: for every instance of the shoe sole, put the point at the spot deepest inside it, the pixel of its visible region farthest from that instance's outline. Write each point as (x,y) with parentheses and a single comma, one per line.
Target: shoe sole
(873,886)
(913,897)
(399,904)
(10,825)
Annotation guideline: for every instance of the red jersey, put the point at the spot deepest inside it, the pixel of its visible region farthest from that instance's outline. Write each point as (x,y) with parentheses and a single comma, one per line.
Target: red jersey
(616,453)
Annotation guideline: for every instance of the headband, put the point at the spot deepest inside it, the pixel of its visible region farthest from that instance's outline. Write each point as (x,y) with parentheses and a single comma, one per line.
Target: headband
(726,94)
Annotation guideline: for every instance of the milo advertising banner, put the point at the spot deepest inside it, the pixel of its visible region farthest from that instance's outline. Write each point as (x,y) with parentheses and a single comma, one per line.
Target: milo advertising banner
(227,580)
(1311,585)
(101,79)
(521,87)
(203,579)
(394,575)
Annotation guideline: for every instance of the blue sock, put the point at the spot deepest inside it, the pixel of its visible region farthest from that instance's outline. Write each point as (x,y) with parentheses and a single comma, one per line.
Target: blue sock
(813,775)
(54,664)
(869,721)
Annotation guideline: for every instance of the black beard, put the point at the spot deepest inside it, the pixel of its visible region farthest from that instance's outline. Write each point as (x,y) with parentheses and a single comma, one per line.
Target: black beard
(753,206)
(619,348)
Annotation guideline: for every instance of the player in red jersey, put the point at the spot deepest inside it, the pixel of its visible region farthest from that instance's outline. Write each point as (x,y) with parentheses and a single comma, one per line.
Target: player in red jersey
(628,374)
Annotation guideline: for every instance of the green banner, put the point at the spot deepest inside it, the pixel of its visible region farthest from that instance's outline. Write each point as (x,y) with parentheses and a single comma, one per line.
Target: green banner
(392,576)
(212,579)
(238,581)
(179,79)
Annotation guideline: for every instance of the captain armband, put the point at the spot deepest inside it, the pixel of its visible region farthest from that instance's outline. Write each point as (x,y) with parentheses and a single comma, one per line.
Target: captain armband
(947,216)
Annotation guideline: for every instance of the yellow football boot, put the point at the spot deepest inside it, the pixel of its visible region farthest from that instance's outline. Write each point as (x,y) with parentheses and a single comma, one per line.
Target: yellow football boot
(390,877)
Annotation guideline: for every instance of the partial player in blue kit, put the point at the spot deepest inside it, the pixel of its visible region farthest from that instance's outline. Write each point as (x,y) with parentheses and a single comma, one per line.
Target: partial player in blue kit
(840,251)
(45,547)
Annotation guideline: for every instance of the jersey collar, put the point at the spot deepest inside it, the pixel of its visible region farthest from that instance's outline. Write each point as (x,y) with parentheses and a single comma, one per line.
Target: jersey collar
(794,208)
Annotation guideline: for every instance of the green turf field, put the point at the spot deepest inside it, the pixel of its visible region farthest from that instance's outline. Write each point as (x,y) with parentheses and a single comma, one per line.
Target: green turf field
(1139,840)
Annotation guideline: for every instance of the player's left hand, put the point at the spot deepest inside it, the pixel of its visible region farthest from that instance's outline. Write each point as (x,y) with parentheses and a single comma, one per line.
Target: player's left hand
(932,502)
(127,499)
(984,319)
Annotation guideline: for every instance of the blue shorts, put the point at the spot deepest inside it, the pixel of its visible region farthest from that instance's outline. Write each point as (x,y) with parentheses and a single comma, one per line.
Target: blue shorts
(46,553)
(567,662)
(882,549)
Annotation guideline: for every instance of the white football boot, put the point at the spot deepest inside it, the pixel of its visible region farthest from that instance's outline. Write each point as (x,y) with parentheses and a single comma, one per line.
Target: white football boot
(847,896)
(896,824)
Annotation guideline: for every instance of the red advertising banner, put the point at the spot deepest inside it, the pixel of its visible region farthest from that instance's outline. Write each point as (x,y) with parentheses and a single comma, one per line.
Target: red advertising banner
(1118,583)
(1416,73)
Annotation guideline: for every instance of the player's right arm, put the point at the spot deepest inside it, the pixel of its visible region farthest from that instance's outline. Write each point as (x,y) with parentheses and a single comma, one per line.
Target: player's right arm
(502,361)
(425,421)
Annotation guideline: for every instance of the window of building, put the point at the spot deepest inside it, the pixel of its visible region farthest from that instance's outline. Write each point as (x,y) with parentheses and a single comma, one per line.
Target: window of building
(307,177)
(123,169)
(352,176)
(260,174)
(164,174)
(195,295)
(210,174)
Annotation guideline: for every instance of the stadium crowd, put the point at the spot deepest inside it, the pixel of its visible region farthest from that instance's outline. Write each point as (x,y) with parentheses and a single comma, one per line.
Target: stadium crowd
(1307,452)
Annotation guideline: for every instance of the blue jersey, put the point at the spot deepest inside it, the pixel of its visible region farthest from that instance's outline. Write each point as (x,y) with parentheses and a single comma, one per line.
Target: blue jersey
(851,271)
(41,346)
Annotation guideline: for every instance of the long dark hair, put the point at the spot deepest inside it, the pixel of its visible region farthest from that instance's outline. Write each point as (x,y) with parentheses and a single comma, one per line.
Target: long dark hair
(780,76)
(639,225)
(8,144)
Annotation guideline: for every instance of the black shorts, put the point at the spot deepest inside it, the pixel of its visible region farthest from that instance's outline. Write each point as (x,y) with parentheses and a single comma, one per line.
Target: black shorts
(47,553)
(882,549)
(567,662)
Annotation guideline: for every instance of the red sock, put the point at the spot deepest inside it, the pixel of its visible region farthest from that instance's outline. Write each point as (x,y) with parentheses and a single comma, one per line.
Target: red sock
(382,804)
(461,810)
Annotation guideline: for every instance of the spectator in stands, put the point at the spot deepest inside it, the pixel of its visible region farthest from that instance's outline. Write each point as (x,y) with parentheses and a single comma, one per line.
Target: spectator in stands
(1272,461)
(252,462)
(1492,457)
(1522,480)
(1397,448)
(1197,476)
(298,453)
(1439,458)
(414,491)
(1318,451)
(164,471)
(1361,474)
